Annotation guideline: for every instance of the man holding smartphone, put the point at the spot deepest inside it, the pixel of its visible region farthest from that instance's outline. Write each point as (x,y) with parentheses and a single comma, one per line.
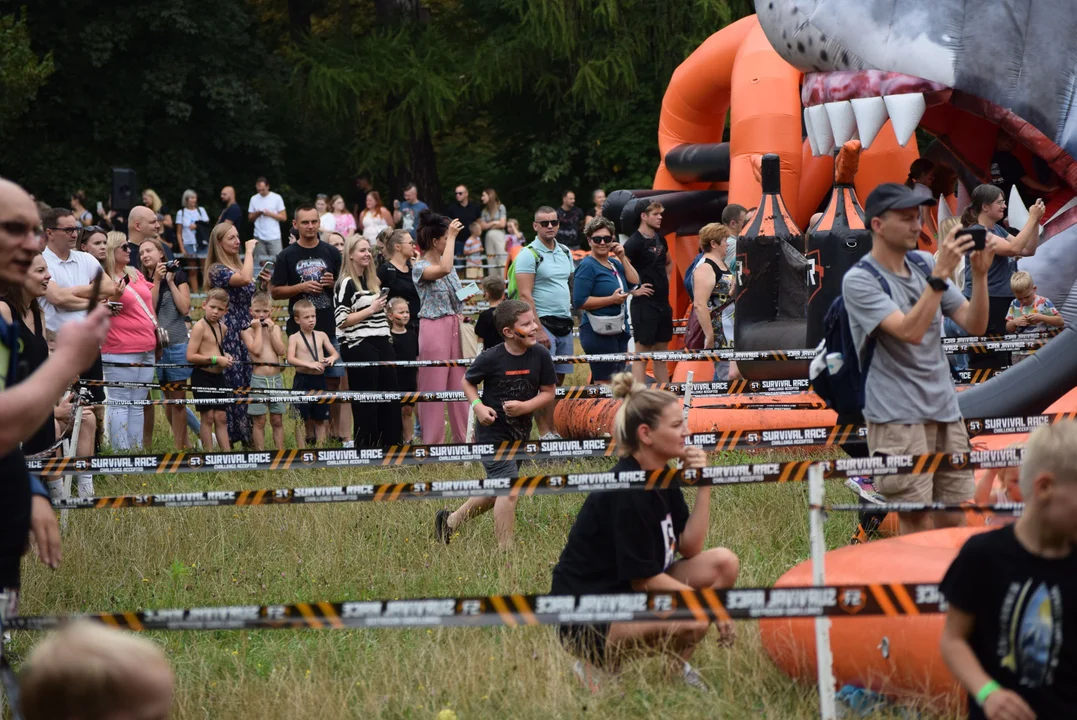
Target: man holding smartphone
(307,270)
(894,296)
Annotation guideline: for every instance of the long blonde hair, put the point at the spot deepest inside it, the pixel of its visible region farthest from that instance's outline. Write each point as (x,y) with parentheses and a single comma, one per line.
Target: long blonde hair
(155,200)
(347,272)
(216,255)
(958,275)
(640,405)
(112,241)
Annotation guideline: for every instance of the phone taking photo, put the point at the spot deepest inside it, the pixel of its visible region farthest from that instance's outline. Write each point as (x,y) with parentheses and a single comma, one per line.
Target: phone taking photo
(267,267)
(979,237)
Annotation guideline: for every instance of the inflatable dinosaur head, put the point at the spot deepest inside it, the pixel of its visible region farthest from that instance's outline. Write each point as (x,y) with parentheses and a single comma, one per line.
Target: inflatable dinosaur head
(967,73)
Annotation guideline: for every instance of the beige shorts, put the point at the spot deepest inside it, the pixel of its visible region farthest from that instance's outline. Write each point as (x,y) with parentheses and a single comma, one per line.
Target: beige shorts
(945,486)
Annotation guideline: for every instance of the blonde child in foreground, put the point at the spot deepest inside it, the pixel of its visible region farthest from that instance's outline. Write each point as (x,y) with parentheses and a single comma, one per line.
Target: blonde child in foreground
(265,342)
(310,352)
(205,349)
(1029,312)
(1011,594)
(88,672)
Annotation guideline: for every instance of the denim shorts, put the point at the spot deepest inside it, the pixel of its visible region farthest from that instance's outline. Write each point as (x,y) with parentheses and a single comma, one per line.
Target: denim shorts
(337,370)
(564,345)
(174,354)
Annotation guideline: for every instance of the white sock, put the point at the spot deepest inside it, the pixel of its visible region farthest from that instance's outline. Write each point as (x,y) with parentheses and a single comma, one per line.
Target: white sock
(56,488)
(85,485)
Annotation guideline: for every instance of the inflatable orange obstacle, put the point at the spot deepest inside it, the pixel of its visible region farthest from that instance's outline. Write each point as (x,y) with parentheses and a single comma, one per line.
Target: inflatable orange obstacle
(898,656)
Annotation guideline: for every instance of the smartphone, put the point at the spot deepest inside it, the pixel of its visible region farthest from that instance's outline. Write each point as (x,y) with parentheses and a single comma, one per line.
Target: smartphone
(268,267)
(979,237)
(384,291)
(100,208)
(115,307)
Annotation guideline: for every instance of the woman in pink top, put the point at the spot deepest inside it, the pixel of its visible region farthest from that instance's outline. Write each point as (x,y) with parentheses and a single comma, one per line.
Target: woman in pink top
(132,338)
(345,220)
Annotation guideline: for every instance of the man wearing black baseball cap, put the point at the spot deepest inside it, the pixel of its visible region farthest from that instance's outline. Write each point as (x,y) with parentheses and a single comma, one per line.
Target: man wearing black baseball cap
(894,296)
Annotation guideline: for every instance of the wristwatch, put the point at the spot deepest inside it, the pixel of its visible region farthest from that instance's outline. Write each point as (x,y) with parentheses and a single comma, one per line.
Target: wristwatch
(937,283)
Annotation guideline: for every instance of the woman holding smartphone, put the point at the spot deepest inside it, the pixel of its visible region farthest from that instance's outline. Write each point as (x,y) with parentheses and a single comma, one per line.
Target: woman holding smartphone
(643,540)
(363,330)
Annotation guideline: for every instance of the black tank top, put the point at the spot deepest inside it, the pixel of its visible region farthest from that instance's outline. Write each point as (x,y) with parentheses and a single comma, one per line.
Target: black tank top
(33,352)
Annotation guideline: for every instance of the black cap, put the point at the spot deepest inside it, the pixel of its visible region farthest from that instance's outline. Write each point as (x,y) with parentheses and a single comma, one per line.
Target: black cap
(891,196)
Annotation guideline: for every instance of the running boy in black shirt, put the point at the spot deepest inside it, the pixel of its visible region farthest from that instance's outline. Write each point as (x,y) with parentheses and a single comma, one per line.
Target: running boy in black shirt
(1009,631)
(517,379)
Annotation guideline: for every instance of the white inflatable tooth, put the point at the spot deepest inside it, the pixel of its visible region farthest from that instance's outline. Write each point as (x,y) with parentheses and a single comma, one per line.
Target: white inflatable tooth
(824,136)
(905,112)
(944,210)
(842,121)
(810,133)
(870,117)
(1016,208)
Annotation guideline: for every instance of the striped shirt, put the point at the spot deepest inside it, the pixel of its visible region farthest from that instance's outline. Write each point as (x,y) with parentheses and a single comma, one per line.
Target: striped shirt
(352,299)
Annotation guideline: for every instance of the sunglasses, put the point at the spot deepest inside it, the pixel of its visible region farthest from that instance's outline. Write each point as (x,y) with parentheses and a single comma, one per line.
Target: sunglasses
(601,239)
(548,223)
(460,193)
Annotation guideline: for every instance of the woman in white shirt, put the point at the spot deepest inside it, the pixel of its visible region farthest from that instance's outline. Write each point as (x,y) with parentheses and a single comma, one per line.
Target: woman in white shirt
(188,218)
(494,219)
(375,218)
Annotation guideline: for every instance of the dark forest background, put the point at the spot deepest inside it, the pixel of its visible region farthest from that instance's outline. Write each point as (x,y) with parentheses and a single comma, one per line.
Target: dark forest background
(525,96)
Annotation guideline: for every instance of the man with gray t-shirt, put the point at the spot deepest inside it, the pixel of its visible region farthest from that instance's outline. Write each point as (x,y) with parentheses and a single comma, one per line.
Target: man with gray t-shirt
(910,403)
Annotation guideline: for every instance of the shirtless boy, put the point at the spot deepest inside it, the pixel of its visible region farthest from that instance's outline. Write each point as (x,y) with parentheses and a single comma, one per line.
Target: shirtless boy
(205,349)
(310,352)
(265,342)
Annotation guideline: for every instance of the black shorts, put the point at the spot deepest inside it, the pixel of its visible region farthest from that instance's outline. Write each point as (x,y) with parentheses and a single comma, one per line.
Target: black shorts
(218,385)
(652,322)
(311,411)
(587,642)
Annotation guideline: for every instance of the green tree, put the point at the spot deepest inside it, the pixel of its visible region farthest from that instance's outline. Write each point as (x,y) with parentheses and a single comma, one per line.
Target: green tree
(22,72)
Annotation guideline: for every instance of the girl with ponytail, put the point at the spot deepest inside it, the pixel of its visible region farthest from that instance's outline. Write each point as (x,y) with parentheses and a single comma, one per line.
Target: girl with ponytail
(921,176)
(643,540)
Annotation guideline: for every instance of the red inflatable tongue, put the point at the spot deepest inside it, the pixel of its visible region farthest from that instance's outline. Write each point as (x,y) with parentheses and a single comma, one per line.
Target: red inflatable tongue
(819,88)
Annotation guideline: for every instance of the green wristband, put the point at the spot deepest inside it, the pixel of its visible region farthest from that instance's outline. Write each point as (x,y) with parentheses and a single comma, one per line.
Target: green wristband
(985,692)
(213,360)
(475,402)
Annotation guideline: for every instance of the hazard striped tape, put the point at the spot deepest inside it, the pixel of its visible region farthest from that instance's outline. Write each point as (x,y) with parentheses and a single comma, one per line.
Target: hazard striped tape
(262,396)
(759,439)
(530,485)
(708,605)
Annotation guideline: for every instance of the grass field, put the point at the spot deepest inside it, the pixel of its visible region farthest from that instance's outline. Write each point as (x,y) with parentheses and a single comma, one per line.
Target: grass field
(157,558)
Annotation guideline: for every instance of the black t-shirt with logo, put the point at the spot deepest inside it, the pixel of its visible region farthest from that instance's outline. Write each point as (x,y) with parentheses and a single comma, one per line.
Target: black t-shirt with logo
(648,256)
(505,376)
(621,536)
(1025,634)
(297,264)
(570,225)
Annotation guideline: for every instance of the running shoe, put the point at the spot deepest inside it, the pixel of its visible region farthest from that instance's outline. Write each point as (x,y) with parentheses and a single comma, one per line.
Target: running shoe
(864,488)
(694,680)
(442,531)
(550,436)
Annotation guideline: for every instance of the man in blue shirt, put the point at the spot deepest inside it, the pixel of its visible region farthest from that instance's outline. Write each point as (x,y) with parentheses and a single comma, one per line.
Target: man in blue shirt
(543,272)
(406,214)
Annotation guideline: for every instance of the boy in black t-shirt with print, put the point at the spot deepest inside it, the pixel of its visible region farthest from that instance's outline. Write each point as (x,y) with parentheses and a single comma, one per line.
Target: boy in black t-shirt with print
(1009,631)
(517,379)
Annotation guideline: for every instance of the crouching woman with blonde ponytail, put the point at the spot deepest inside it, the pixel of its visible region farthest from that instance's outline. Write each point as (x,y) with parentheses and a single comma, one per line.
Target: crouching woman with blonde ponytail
(643,540)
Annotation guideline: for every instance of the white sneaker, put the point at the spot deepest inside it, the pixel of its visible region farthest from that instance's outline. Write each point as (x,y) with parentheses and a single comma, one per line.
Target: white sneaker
(693,679)
(550,436)
(348,444)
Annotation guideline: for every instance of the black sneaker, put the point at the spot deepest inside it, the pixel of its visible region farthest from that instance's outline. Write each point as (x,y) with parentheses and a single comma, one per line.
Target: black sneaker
(442,531)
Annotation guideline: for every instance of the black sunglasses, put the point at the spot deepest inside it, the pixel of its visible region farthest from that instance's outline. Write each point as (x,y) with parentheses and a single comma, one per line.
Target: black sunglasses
(601,239)
(69,231)
(548,223)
